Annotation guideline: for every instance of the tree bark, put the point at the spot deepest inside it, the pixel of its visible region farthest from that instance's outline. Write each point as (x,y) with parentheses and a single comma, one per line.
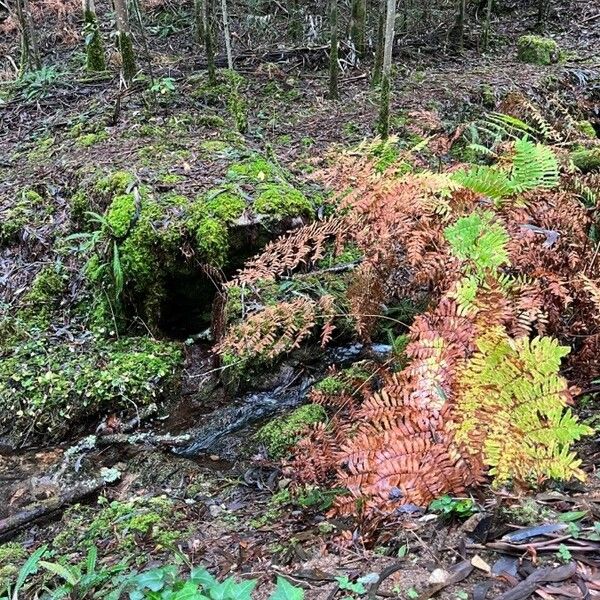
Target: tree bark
(384,107)
(227,34)
(94,47)
(30,58)
(124,40)
(333,51)
(208,42)
(358,26)
(460,25)
(199,21)
(485,42)
(378,66)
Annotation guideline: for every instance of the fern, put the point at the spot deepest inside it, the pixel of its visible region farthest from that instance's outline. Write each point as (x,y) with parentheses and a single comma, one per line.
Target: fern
(480,241)
(512,409)
(534,166)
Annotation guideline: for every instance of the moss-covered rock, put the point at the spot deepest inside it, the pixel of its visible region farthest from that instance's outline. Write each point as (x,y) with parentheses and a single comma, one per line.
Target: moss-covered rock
(255,168)
(586,160)
(280,434)
(282,200)
(587,129)
(46,387)
(44,296)
(115,183)
(537,50)
(120,214)
(29,209)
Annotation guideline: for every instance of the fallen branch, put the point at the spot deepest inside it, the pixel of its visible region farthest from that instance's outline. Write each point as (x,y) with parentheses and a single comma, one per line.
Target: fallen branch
(527,587)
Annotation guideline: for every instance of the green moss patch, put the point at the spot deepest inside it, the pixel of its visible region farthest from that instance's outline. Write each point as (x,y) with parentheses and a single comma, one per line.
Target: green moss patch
(29,209)
(537,50)
(46,386)
(282,200)
(280,434)
(586,160)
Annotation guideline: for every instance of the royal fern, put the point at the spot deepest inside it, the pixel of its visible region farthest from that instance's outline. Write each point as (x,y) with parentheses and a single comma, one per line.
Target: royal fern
(511,409)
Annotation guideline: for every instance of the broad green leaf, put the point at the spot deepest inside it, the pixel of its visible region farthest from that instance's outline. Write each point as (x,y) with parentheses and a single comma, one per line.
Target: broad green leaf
(28,568)
(286,591)
(574,515)
(203,578)
(69,575)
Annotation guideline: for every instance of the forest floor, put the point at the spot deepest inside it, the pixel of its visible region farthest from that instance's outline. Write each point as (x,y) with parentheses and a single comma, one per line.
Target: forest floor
(229,508)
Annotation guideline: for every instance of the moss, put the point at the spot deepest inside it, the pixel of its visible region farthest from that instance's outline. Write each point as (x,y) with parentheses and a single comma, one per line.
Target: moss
(120,215)
(331,385)
(214,146)
(224,203)
(127,56)
(44,295)
(383,122)
(537,50)
(12,556)
(282,200)
(118,182)
(279,434)
(586,160)
(90,139)
(95,60)
(43,149)
(587,129)
(171,178)
(29,209)
(130,523)
(46,386)
(212,240)
(254,168)
(79,204)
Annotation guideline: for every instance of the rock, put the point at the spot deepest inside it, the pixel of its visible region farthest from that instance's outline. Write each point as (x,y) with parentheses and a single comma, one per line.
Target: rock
(537,50)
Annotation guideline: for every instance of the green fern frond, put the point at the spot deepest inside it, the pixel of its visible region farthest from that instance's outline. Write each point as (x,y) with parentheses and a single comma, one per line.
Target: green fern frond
(480,241)
(534,166)
(487,181)
(512,408)
(512,124)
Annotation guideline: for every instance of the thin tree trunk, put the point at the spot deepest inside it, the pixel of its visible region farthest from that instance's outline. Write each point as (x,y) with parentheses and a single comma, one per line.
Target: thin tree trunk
(358,26)
(30,58)
(485,42)
(94,48)
(543,8)
(460,25)
(384,107)
(378,67)
(294,25)
(208,42)
(199,21)
(227,34)
(333,51)
(124,40)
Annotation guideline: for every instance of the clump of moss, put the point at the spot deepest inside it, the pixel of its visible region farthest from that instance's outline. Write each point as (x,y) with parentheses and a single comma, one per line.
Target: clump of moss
(537,50)
(280,434)
(282,200)
(586,160)
(90,139)
(120,214)
(211,240)
(12,556)
(254,168)
(132,524)
(215,146)
(115,183)
(43,296)
(212,121)
(586,128)
(50,386)
(224,203)
(95,60)
(171,179)
(29,209)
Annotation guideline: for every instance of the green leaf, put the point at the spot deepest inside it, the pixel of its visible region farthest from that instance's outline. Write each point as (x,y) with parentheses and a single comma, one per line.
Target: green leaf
(28,568)
(154,580)
(574,515)
(92,557)
(286,591)
(346,584)
(203,578)
(69,575)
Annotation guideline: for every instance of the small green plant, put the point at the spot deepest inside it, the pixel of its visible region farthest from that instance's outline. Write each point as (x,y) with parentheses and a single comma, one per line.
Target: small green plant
(163,86)
(412,593)
(35,85)
(344,583)
(564,554)
(449,507)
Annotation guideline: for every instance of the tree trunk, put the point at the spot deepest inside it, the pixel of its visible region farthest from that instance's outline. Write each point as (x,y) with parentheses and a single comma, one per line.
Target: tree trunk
(485,42)
(124,40)
(30,58)
(227,34)
(294,23)
(460,25)
(333,51)
(199,22)
(208,42)
(384,107)
(378,66)
(94,48)
(358,26)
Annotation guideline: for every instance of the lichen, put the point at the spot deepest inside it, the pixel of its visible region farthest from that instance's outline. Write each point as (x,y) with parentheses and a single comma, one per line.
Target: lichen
(282,200)
(280,434)
(537,50)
